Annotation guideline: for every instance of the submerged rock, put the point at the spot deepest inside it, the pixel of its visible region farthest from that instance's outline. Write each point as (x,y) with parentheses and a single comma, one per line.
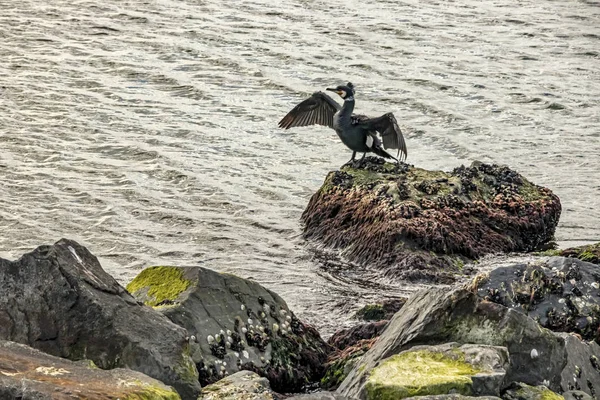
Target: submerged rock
(562,294)
(384,310)
(58,299)
(433,370)
(26,373)
(243,385)
(417,224)
(235,324)
(438,315)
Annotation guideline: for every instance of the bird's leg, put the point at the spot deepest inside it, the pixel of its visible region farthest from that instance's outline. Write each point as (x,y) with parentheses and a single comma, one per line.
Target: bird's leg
(351,161)
(360,162)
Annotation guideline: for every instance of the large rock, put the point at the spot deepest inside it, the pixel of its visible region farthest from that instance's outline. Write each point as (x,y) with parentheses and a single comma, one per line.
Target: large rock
(243,385)
(562,294)
(236,325)
(28,374)
(438,315)
(417,224)
(58,299)
(433,370)
(521,391)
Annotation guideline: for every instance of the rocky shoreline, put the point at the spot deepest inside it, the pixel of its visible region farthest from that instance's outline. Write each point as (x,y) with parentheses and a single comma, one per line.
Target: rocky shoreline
(522,331)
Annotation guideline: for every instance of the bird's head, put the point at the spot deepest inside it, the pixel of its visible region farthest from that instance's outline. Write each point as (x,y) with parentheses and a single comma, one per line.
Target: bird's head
(345,91)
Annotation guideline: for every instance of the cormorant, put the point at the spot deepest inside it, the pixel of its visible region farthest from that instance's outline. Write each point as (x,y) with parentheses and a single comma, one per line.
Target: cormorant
(357,132)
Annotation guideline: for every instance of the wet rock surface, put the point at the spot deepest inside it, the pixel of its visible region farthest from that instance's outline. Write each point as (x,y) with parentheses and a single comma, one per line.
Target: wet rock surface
(562,294)
(27,373)
(58,299)
(243,385)
(437,316)
(320,396)
(422,225)
(235,324)
(345,338)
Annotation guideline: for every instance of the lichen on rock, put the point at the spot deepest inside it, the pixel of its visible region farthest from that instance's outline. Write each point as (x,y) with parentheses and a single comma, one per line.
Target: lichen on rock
(162,285)
(417,224)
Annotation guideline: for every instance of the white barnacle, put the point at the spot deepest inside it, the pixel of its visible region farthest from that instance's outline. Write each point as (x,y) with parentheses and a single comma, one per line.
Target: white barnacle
(282,312)
(222,332)
(245,354)
(229,339)
(228,345)
(193,338)
(261,328)
(595,285)
(236,354)
(243,307)
(266,307)
(251,327)
(262,314)
(224,363)
(228,332)
(283,331)
(534,354)
(244,330)
(275,326)
(262,359)
(249,321)
(210,339)
(287,317)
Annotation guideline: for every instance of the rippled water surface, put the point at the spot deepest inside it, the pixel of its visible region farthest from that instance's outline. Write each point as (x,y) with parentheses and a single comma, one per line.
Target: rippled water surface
(147,130)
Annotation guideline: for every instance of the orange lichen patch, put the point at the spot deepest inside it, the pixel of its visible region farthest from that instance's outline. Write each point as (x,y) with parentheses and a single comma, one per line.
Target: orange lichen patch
(408,221)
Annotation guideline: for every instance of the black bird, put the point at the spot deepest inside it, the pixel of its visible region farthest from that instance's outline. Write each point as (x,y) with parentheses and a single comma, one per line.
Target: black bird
(357,132)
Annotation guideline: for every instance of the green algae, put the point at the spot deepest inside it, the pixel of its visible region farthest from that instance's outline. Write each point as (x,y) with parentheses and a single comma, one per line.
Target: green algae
(536,393)
(371,312)
(152,392)
(419,373)
(164,284)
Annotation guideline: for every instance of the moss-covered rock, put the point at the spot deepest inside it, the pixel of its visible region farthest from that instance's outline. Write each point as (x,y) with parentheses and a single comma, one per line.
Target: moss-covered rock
(29,373)
(588,253)
(433,370)
(521,391)
(418,224)
(380,311)
(234,324)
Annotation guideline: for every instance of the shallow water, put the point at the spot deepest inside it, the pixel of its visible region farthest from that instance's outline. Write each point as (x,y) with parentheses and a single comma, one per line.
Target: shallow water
(148,130)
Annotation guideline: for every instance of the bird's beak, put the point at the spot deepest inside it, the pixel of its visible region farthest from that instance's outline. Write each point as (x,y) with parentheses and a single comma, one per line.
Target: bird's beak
(331,89)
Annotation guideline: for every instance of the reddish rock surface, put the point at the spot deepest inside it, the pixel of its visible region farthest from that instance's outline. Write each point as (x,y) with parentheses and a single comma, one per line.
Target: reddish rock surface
(423,225)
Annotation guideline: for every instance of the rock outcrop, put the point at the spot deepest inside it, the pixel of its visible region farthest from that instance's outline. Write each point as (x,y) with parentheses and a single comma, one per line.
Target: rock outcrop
(235,324)
(384,310)
(243,385)
(589,253)
(416,224)
(26,373)
(433,316)
(562,294)
(58,299)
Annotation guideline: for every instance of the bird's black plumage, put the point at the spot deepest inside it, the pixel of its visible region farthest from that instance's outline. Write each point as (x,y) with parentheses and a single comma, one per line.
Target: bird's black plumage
(357,132)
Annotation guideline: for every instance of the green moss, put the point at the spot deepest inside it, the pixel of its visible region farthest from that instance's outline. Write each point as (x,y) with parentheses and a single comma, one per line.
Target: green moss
(186,368)
(530,192)
(163,284)
(548,394)
(549,253)
(151,392)
(419,373)
(371,312)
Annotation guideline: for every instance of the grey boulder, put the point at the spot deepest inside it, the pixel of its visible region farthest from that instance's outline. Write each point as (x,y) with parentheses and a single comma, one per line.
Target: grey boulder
(58,299)
(235,324)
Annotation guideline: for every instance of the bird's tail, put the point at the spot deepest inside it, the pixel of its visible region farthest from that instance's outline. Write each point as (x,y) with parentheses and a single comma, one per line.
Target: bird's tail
(382,153)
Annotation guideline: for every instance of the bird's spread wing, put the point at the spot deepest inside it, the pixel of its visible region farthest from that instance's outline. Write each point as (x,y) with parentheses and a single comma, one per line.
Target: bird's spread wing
(387,126)
(317,109)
